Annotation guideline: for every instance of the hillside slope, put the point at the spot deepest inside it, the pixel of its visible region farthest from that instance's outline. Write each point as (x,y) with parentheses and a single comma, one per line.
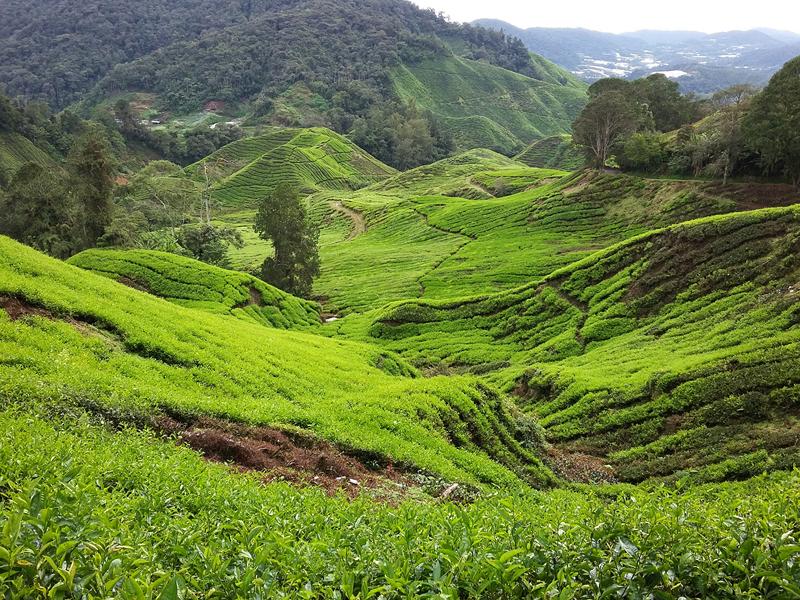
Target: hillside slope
(16,150)
(432,242)
(309,160)
(487,107)
(675,352)
(554,152)
(194,284)
(70,337)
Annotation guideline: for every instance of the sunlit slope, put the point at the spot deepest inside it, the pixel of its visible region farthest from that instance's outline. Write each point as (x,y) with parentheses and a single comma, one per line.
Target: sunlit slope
(130,511)
(195,284)
(399,248)
(70,336)
(678,349)
(421,241)
(485,106)
(309,160)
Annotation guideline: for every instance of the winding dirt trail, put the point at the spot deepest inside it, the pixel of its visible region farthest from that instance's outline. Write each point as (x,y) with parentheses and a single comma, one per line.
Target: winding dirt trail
(359,223)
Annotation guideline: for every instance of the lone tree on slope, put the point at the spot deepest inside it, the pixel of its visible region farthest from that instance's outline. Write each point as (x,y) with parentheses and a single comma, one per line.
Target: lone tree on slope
(282,220)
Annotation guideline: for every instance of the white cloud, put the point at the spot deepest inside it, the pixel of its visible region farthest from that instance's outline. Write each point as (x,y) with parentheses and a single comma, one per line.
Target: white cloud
(628,15)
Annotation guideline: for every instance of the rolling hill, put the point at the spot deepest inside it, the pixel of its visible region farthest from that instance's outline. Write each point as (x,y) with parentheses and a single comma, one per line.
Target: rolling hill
(138,358)
(554,152)
(309,159)
(194,284)
(487,107)
(434,236)
(672,351)
(670,356)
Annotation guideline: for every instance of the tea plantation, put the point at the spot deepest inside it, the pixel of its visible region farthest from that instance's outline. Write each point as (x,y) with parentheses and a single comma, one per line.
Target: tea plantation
(540,384)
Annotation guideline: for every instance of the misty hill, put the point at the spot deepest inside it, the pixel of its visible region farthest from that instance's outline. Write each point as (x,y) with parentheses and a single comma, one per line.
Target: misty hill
(700,62)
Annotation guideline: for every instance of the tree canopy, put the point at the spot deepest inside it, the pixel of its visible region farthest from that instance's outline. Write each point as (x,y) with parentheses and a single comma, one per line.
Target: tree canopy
(282,220)
(773,124)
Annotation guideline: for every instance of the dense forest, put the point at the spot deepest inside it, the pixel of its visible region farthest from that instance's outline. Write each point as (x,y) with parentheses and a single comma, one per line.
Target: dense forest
(231,49)
(648,126)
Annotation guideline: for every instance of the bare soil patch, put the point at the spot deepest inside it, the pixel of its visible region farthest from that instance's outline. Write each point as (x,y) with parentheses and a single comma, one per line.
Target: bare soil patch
(359,223)
(578,467)
(286,456)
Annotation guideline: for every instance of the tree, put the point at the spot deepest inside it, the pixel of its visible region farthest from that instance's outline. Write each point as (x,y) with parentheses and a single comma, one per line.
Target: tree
(731,104)
(10,117)
(643,151)
(209,243)
(668,107)
(93,178)
(282,220)
(604,123)
(772,127)
(38,211)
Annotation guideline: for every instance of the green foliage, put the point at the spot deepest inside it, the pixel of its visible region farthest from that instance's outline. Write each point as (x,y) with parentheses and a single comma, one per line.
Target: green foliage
(93,178)
(401,136)
(189,283)
(209,243)
(643,151)
(38,210)
(87,512)
(772,125)
(282,220)
(119,351)
(606,121)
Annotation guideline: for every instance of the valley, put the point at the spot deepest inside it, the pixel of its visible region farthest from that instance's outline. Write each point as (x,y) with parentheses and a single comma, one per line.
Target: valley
(350,300)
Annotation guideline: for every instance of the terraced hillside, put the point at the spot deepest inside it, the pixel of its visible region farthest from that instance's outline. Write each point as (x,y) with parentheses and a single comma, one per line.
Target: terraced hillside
(421,241)
(487,107)
(314,159)
(16,151)
(676,350)
(70,337)
(554,152)
(194,284)
(398,247)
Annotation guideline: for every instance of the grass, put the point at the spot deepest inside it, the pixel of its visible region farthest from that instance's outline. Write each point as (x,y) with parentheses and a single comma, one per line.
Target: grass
(486,106)
(104,345)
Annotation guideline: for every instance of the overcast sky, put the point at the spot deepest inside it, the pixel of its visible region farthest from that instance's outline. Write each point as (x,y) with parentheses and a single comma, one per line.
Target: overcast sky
(710,16)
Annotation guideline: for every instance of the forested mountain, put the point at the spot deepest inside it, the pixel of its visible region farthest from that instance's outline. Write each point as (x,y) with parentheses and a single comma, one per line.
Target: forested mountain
(700,62)
(284,62)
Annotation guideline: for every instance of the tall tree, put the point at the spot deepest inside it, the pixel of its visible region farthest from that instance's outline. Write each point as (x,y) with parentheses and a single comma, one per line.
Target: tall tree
(731,104)
(37,210)
(93,178)
(282,220)
(604,123)
(772,127)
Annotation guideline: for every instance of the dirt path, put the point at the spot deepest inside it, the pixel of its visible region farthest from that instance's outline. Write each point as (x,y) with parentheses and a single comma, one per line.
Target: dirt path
(359,223)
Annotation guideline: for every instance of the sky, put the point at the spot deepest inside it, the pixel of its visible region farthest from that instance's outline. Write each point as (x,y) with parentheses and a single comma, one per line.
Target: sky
(710,16)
